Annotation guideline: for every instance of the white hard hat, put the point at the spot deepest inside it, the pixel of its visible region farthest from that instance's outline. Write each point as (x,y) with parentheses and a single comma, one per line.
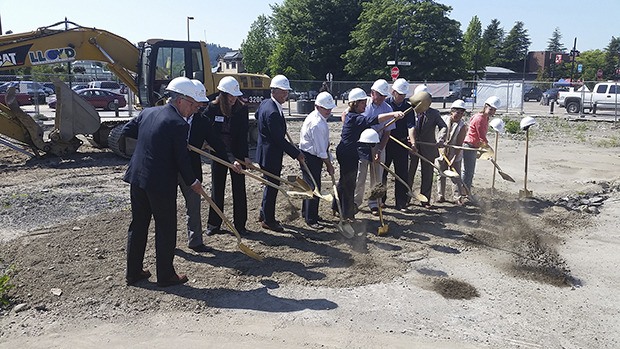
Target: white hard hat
(325,100)
(281,82)
(459,104)
(229,85)
(494,102)
(497,124)
(369,136)
(420,88)
(189,88)
(357,94)
(526,122)
(401,86)
(381,86)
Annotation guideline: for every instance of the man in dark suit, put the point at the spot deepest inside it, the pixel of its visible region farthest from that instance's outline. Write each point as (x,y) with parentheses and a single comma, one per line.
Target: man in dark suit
(160,156)
(272,145)
(426,125)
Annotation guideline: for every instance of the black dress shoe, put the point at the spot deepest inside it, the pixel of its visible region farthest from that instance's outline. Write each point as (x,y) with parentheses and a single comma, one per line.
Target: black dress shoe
(176,280)
(144,274)
(213,231)
(315,225)
(274,226)
(199,248)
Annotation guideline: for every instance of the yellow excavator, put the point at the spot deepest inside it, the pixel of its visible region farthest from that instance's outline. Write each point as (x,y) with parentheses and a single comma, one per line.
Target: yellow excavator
(146,69)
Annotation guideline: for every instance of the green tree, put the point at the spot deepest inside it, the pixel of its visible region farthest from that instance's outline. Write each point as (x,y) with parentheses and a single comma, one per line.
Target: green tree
(320,29)
(472,44)
(555,42)
(288,59)
(612,59)
(430,40)
(515,47)
(492,40)
(258,45)
(592,61)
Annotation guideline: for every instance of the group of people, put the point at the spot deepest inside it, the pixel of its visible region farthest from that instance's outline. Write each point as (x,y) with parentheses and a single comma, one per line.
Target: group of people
(162,161)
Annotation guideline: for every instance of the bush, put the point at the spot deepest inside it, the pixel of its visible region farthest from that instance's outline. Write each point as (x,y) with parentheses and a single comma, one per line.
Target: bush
(512,126)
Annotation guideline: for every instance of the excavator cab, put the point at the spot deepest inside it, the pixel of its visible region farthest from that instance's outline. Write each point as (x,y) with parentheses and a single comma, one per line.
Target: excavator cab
(163,60)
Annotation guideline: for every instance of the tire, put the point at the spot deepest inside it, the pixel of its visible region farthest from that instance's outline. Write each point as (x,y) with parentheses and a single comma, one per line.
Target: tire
(526,99)
(111,106)
(573,107)
(538,99)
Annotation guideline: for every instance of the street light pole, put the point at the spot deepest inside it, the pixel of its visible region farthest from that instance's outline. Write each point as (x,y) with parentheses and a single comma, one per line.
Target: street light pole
(188,19)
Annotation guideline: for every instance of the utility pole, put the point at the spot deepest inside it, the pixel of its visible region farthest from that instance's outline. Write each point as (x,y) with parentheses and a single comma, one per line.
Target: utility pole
(573,54)
(396,42)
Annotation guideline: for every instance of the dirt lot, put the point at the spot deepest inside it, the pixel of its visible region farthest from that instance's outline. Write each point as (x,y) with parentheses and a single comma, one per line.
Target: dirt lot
(532,273)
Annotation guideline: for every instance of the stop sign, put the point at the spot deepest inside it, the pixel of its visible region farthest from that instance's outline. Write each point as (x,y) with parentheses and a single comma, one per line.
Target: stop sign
(395,72)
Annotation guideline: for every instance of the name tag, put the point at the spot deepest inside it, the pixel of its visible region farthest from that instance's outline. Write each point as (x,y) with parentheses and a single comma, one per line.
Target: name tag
(219,118)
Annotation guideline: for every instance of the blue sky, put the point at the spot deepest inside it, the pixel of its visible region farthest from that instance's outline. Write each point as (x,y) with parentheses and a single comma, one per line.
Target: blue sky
(227,22)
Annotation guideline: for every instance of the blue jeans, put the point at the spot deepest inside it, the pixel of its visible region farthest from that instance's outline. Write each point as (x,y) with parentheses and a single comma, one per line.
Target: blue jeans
(469,166)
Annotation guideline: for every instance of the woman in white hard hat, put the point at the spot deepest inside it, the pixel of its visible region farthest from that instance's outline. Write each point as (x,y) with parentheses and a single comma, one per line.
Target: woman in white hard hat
(477,138)
(314,144)
(228,136)
(355,122)
(455,136)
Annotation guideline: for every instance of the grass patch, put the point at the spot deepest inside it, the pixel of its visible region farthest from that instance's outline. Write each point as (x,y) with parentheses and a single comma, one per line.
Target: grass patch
(5,285)
(611,142)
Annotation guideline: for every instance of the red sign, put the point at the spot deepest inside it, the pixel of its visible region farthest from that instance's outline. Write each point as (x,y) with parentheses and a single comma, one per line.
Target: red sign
(395,72)
(558,59)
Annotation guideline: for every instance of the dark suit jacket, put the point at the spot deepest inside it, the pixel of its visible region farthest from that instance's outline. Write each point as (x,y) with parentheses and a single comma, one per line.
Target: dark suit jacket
(272,144)
(161,150)
(425,132)
(239,126)
(197,135)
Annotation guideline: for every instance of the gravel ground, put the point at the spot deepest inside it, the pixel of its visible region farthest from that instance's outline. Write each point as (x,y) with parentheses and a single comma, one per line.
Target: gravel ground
(507,273)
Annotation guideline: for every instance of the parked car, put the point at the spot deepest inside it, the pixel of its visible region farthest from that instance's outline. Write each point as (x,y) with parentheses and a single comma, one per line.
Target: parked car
(98,98)
(533,93)
(293,95)
(33,89)
(551,93)
(22,98)
(106,85)
(79,87)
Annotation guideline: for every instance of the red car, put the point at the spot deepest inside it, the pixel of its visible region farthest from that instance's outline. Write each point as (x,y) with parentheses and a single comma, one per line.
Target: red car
(98,98)
(22,98)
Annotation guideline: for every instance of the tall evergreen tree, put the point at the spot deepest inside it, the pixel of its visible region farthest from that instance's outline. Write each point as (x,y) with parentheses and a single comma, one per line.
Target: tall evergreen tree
(492,40)
(515,47)
(555,42)
(472,45)
(612,59)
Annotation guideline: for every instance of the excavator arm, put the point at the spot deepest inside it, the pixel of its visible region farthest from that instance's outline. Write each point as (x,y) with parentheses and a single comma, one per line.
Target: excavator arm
(73,115)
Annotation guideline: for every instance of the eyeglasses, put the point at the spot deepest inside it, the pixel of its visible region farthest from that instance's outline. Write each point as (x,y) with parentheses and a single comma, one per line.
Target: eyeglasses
(192,102)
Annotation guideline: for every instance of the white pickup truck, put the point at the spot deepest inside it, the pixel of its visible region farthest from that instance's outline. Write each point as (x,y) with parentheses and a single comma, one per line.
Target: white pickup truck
(605,95)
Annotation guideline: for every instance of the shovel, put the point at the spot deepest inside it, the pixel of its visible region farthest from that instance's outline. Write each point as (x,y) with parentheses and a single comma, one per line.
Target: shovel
(383,228)
(294,211)
(484,152)
(298,183)
(420,197)
(343,227)
(315,191)
(504,175)
(446,173)
(245,249)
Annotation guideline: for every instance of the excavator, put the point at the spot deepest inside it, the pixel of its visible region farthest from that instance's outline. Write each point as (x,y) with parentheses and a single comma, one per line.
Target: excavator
(146,69)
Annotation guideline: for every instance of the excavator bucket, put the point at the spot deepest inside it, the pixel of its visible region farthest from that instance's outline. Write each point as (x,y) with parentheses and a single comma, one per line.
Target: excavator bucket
(74,116)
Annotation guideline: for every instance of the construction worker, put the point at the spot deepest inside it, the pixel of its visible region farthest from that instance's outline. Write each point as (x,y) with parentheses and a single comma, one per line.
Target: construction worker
(355,122)
(452,158)
(426,126)
(393,151)
(314,144)
(477,138)
(375,106)
(271,146)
